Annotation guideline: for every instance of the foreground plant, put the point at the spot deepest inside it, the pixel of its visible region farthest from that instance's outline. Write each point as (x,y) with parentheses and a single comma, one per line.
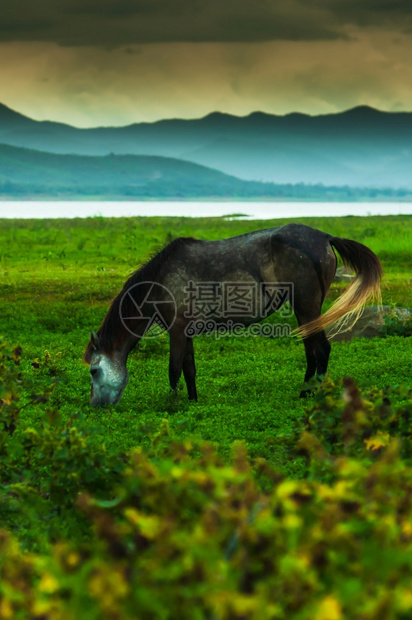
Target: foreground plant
(199,539)
(179,533)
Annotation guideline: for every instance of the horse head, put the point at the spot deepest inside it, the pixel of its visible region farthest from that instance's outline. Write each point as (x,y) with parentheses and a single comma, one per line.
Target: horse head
(108,373)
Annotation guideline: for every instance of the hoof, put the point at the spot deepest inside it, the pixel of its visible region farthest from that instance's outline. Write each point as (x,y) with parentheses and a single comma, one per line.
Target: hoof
(306,393)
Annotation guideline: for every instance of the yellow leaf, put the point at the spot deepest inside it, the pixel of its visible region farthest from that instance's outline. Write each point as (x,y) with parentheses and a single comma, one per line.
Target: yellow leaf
(48,584)
(287,488)
(324,492)
(407,529)
(329,609)
(73,559)
(6,610)
(404,599)
(176,472)
(39,608)
(242,604)
(381,440)
(292,522)
(149,526)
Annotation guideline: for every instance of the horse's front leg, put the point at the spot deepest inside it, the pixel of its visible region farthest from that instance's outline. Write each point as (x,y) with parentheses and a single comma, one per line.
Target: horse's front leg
(177,353)
(189,369)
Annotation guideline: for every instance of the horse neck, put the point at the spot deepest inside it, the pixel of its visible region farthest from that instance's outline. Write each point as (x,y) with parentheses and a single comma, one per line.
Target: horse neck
(129,343)
(115,336)
(120,331)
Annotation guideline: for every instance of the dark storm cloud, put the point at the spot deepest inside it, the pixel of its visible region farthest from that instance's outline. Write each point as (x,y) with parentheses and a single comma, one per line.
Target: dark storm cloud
(118,22)
(124,22)
(373,10)
(380,13)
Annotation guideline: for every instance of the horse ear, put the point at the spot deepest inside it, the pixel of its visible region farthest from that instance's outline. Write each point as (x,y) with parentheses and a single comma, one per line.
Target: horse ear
(94,339)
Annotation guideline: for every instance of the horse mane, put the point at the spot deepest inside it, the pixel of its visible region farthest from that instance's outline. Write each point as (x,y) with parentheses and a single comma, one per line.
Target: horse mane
(150,271)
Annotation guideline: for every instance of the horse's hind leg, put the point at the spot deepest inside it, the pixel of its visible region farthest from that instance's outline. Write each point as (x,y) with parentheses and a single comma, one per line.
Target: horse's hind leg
(189,369)
(317,349)
(310,367)
(321,348)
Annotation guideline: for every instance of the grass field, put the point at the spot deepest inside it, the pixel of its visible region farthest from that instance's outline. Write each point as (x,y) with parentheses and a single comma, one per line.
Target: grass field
(56,281)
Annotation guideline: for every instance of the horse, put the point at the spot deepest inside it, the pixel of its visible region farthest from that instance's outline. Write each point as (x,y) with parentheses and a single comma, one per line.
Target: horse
(295,258)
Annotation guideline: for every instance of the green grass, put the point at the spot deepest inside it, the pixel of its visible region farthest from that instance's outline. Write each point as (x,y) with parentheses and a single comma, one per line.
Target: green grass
(57,278)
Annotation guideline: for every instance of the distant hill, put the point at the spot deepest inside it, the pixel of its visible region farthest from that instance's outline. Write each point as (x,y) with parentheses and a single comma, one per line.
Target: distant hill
(362,147)
(29,174)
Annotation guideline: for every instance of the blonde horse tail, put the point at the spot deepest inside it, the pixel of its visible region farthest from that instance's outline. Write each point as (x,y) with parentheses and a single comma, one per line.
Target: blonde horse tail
(365,287)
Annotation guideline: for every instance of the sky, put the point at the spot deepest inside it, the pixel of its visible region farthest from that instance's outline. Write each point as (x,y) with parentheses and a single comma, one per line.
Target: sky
(115,62)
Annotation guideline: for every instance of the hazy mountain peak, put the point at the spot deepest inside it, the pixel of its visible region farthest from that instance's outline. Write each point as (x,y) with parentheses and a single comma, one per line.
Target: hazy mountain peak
(260,117)
(363,110)
(7,115)
(218,117)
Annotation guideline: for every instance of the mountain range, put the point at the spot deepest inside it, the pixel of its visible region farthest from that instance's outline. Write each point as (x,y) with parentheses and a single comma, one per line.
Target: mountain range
(362,147)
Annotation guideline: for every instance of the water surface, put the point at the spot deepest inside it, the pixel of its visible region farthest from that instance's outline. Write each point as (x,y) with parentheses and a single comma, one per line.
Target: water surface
(252,210)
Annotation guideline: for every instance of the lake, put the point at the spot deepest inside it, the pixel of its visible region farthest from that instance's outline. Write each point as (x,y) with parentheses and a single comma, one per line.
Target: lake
(252,210)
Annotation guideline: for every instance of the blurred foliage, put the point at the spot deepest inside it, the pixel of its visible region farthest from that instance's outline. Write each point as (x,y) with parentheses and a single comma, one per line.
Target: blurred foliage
(348,423)
(396,324)
(174,531)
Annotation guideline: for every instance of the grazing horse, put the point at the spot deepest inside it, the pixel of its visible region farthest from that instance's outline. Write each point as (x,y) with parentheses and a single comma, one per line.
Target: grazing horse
(296,257)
